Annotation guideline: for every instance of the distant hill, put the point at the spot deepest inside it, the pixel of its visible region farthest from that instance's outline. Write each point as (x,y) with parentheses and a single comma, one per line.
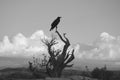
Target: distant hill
(81,63)
(6,62)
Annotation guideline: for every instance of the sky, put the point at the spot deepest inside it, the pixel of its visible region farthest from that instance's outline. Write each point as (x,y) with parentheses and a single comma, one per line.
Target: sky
(88,18)
(91,25)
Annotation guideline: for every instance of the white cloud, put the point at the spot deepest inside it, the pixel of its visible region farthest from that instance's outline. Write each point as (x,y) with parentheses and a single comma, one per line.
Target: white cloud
(21,45)
(6,45)
(106,37)
(20,40)
(35,49)
(38,35)
(106,47)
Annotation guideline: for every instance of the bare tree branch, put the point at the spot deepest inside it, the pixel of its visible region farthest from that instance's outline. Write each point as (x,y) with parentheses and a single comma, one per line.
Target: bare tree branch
(60,36)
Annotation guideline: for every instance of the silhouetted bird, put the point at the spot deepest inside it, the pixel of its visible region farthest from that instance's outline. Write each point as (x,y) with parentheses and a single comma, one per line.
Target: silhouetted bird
(55,23)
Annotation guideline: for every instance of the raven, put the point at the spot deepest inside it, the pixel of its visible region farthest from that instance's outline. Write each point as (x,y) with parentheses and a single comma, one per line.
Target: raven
(55,23)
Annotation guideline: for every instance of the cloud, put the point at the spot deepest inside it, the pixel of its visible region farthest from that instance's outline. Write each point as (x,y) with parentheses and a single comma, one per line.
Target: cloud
(38,35)
(6,45)
(21,45)
(106,37)
(106,47)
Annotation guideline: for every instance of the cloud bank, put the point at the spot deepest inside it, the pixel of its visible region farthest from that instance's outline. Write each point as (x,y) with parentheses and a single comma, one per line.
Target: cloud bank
(105,47)
(20,45)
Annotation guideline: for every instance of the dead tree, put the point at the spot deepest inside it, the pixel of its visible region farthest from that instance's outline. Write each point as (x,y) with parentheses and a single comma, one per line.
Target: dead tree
(58,59)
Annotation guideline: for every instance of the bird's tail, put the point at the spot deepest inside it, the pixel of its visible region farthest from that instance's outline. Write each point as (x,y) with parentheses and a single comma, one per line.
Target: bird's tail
(50,29)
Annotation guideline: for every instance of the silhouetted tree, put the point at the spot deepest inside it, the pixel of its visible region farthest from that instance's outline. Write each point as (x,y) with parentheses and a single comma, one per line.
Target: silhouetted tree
(96,73)
(59,59)
(86,72)
(102,73)
(116,75)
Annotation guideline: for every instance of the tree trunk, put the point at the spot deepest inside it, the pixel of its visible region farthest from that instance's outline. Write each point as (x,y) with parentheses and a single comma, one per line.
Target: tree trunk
(58,59)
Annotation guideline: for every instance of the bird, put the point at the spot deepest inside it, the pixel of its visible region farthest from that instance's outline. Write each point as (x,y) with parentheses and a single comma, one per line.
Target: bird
(55,23)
